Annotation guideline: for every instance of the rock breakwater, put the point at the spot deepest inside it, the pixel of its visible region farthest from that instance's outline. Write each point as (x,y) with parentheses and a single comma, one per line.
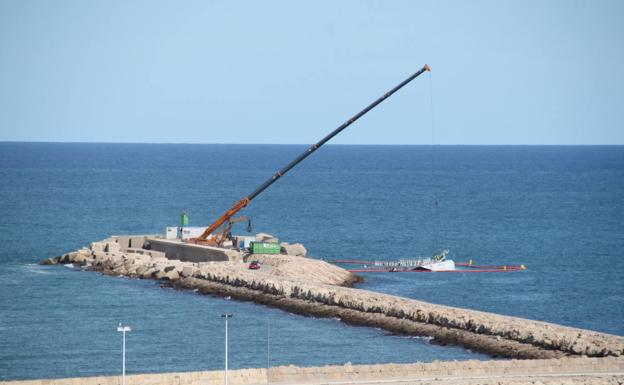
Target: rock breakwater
(312,287)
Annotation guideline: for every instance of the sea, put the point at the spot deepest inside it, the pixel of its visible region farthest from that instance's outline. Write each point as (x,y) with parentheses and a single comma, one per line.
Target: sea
(558,210)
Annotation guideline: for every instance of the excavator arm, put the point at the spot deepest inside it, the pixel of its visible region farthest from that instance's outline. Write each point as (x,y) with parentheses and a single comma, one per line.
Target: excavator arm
(206,238)
(225,217)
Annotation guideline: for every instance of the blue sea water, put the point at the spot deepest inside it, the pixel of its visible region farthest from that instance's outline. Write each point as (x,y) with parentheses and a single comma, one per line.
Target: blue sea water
(557,210)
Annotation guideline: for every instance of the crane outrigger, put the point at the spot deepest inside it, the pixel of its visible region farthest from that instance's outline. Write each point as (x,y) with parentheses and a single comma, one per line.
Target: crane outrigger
(208,237)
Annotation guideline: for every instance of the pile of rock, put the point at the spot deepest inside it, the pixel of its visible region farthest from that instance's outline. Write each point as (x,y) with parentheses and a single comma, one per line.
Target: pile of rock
(147,266)
(109,258)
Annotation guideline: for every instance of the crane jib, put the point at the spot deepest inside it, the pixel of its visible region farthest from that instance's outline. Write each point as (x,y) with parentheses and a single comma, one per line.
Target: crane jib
(245,200)
(346,124)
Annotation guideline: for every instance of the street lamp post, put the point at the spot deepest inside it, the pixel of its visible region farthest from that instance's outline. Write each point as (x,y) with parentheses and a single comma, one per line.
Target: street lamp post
(225,316)
(123,329)
(268,348)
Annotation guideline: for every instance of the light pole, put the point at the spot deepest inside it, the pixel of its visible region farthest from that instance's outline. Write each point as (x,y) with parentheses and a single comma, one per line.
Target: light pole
(225,316)
(123,329)
(268,347)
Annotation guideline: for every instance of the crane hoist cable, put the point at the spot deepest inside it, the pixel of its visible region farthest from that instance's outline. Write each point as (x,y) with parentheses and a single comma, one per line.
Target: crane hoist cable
(435,169)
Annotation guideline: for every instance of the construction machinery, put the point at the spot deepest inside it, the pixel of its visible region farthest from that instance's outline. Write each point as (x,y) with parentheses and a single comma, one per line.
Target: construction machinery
(218,232)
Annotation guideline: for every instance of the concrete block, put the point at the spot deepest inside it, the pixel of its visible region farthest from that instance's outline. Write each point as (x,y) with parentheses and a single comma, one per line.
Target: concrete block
(189,271)
(100,255)
(167,275)
(264,237)
(112,247)
(137,241)
(296,249)
(124,241)
(147,273)
(48,261)
(98,246)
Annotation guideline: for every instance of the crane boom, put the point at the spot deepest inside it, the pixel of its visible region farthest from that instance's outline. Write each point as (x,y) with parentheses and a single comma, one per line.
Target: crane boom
(245,200)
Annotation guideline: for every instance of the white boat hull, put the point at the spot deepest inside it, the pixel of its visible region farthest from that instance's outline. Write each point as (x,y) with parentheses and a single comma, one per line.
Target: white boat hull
(447,264)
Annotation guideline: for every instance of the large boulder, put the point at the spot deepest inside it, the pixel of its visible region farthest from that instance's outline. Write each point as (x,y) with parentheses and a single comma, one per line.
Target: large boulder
(48,261)
(120,270)
(296,249)
(100,256)
(167,274)
(112,247)
(264,237)
(98,246)
(114,262)
(80,259)
(141,269)
(148,273)
(189,271)
(68,258)
(132,269)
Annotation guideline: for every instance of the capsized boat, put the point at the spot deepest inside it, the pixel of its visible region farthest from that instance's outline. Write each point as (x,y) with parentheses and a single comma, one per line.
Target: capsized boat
(438,262)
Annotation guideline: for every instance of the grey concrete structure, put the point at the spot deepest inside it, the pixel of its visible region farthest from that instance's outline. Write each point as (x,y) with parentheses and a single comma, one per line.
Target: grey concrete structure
(187,252)
(131,241)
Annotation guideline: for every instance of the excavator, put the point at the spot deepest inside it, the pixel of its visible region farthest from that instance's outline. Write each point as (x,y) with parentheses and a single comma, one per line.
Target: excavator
(220,231)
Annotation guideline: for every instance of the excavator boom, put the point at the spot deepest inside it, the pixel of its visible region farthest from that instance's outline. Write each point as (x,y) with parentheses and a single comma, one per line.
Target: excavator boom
(245,200)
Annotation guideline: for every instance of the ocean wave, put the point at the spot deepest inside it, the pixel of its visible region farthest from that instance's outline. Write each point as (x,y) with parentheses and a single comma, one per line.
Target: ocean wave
(423,338)
(38,269)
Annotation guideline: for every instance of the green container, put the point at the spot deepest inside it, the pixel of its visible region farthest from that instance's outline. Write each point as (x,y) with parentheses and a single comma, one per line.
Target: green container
(265,248)
(184,219)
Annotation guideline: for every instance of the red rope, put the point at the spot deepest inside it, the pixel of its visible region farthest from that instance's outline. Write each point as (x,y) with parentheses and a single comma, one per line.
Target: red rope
(437,271)
(352,262)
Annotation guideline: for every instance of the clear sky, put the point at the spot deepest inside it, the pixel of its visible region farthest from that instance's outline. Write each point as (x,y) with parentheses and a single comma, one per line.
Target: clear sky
(504,72)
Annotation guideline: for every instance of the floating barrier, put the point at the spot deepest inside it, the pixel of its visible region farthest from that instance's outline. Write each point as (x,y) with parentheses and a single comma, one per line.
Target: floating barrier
(466,267)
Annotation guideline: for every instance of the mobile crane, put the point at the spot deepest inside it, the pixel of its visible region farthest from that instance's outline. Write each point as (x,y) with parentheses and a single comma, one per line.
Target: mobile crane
(226,220)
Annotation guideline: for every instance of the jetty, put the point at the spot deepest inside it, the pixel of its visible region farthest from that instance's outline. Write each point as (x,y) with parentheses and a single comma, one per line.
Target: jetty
(299,284)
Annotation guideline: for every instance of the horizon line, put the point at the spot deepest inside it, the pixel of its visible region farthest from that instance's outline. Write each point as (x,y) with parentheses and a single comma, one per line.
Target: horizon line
(308,144)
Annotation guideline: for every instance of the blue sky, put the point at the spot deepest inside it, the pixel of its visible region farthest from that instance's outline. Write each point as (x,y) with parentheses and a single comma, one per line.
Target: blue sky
(504,72)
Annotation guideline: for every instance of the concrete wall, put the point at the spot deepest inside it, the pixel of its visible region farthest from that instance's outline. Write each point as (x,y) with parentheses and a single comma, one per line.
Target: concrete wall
(292,374)
(192,253)
(150,253)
